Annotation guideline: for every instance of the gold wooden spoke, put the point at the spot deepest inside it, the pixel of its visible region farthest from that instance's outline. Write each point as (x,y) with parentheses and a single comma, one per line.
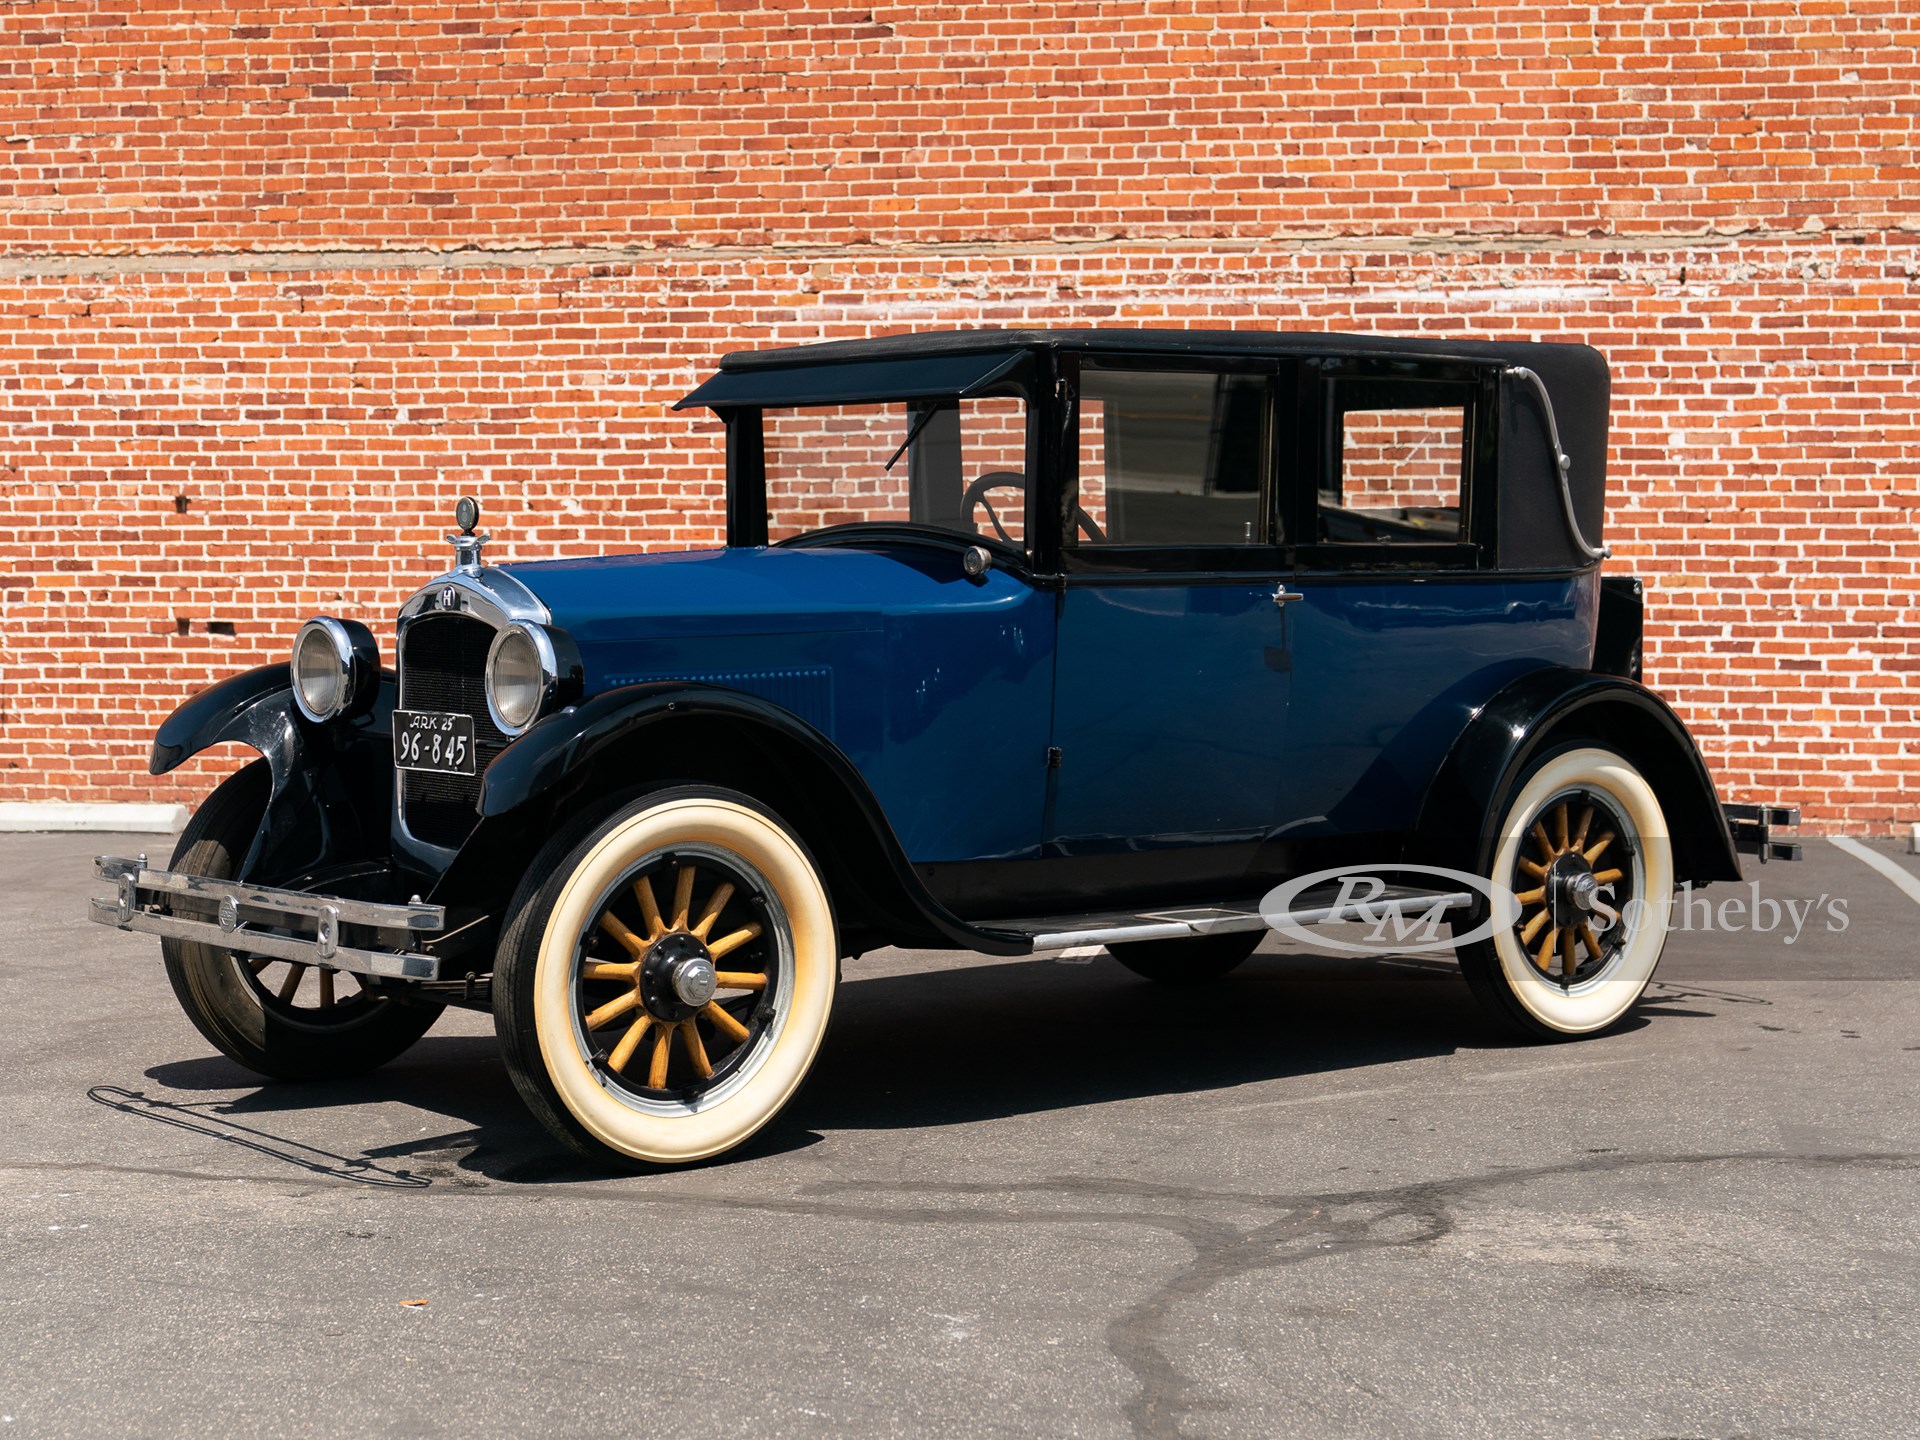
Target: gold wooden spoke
(714,907)
(295,974)
(696,1052)
(1533,897)
(629,1043)
(1533,926)
(1539,833)
(1588,939)
(1569,957)
(1545,958)
(630,942)
(725,1023)
(1606,839)
(1607,877)
(683,895)
(649,908)
(1538,872)
(326,989)
(1560,841)
(727,944)
(613,1009)
(740,980)
(607,970)
(662,1052)
(1580,830)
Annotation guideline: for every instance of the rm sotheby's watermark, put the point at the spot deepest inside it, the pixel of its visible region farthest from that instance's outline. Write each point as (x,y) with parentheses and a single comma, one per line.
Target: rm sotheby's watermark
(1414,908)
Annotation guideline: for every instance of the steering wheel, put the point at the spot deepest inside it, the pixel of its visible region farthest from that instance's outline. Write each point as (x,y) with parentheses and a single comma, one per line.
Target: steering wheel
(1011,480)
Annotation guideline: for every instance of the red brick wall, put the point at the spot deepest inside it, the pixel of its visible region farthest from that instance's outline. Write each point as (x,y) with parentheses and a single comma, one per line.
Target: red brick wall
(276,286)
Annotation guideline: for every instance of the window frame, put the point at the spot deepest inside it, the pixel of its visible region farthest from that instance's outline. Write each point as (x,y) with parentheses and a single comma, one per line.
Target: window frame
(1316,453)
(748,521)
(1266,554)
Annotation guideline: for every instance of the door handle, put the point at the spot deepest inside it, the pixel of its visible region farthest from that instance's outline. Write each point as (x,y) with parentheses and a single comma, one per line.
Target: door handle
(1284,597)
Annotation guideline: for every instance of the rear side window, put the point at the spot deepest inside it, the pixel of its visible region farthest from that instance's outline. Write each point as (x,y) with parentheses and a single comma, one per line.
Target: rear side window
(1396,462)
(1171,457)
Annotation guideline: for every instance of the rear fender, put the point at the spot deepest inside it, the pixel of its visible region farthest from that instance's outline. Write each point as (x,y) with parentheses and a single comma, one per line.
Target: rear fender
(645,736)
(332,784)
(1554,706)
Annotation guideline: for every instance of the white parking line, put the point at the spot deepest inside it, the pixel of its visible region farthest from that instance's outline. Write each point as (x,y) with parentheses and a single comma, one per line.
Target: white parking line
(1873,859)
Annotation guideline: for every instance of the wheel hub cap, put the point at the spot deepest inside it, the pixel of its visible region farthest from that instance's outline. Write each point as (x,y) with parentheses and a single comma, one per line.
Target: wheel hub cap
(678,977)
(1573,890)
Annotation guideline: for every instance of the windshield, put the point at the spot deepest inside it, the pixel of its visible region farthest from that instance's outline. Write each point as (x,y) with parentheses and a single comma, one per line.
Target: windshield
(958,465)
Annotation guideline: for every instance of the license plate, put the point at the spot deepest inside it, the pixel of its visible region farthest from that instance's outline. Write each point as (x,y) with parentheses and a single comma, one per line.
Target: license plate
(440,740)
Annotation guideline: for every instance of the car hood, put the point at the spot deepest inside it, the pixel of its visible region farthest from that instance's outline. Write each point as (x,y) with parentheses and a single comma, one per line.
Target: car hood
(618,598)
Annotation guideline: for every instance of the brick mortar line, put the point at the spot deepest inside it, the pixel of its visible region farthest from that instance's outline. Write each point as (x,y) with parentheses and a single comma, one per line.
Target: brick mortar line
(71,266)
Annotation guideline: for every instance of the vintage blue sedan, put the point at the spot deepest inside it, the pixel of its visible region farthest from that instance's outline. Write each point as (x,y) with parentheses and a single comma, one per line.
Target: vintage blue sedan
(1020,640)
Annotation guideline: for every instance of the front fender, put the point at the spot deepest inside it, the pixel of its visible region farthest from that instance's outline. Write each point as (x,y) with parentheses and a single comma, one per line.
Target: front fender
(1547,707)
(665,732)
(332,784)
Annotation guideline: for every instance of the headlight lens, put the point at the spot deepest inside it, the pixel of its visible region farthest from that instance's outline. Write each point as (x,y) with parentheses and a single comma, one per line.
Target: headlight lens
(520,672)
(322,669)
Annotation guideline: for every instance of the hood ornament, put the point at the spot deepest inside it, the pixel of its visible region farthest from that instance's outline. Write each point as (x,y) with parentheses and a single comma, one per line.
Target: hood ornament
(466,545)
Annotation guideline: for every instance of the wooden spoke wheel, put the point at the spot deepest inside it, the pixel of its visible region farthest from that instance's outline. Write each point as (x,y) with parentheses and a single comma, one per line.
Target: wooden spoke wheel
(284,1019)
(306,994)
(1583,845)
(1574,880)
(665,977)
(672,1001)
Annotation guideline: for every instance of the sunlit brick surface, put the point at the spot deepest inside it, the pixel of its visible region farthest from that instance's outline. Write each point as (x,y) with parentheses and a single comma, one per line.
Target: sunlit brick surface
(1721,197)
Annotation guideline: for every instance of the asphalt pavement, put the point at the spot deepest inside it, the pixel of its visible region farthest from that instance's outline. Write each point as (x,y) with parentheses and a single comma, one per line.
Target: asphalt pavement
(1042,1197)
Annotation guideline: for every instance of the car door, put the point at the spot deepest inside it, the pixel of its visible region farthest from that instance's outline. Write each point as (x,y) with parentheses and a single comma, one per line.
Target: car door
(1171,668)
(1404,625)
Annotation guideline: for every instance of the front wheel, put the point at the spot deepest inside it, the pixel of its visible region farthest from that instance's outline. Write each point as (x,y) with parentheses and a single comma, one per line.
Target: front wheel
(664,979)
(1584,847)
(284,1019)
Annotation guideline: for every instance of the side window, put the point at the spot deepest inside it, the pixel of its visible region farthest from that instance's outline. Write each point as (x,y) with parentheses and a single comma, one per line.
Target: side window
(1171,457)
(1396,462)
(955,464)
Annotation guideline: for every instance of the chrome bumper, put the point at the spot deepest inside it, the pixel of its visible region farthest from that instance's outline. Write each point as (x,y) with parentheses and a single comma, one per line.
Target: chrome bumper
(227,914)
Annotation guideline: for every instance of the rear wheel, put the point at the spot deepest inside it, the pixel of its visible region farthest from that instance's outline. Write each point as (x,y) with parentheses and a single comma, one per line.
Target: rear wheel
(665,977)
(1584,848)
(283,1019)
(1187,962)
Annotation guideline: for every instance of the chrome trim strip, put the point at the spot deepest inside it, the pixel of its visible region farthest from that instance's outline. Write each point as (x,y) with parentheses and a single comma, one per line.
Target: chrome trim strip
(1223,920)
(412,916)
(403,965)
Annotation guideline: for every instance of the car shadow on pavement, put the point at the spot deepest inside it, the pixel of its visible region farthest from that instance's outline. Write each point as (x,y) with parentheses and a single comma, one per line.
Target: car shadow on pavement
(980,1041)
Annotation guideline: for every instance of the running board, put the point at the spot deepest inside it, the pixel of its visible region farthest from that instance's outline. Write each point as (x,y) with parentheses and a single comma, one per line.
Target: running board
(1318,906)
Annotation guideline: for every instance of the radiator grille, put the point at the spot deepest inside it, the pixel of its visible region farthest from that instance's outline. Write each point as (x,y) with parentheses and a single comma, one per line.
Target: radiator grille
(443,663)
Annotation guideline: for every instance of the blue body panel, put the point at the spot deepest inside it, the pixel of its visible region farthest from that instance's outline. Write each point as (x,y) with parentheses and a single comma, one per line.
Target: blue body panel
(1202,713)
(1387,673)
(938,688)
(1186,713)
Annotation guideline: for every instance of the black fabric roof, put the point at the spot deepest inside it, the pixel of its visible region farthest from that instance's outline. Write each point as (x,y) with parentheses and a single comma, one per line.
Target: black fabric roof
(1532,525)
(849,382)
(1239,342)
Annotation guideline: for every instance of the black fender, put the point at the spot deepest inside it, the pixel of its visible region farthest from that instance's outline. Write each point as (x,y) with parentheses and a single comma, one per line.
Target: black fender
(663,732)
(1548,707)
(331,800)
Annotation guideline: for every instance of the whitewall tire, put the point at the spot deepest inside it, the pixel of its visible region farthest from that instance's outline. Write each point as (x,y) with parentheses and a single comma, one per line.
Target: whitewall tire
(1585,848)
(665,978)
